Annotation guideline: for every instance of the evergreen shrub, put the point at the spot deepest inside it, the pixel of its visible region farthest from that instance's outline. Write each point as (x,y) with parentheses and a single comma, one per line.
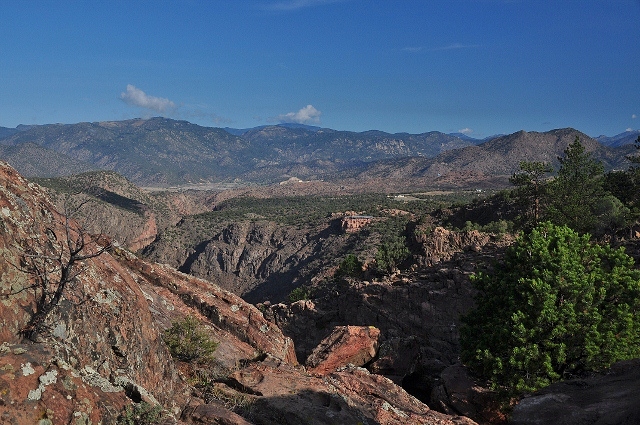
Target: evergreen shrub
(559,305)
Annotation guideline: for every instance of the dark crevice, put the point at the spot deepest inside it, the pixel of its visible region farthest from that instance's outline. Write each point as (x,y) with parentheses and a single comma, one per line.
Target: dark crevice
(198,249)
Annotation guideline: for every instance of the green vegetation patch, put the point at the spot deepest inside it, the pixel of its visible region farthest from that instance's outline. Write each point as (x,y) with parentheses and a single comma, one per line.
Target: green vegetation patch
(141,414)
(559,305)
(188,341)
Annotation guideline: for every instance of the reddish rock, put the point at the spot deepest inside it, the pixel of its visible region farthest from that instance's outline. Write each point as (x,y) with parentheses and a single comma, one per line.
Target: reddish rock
(354,223)
(286,395)
(355,345)
(223,309)
(101,334)
(35,385)
(441,244)
(387,402)
(148,232)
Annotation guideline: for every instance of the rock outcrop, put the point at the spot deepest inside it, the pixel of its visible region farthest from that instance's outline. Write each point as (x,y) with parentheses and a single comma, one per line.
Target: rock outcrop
(224,310)
(101,339)
(439,244)
(607,398)
(101,348)
(346,345)
(288,396)
(418,316)
(353,223)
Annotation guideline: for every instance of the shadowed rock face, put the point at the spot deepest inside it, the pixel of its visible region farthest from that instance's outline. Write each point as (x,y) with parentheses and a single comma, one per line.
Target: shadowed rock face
(609,398)
(102,348)
(417,315)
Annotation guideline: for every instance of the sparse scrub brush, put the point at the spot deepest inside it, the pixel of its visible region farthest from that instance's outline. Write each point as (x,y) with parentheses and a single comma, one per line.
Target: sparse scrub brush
(188,341)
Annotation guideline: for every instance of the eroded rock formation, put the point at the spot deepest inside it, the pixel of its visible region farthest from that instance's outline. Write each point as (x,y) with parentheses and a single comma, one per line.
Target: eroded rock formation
(101,348)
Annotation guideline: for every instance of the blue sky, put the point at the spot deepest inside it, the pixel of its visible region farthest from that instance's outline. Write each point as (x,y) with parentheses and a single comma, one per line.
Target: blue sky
(477,66)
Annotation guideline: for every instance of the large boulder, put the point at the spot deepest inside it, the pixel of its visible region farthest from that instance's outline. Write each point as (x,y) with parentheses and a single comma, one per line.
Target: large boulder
(457,393)
(397,358)
(354,345)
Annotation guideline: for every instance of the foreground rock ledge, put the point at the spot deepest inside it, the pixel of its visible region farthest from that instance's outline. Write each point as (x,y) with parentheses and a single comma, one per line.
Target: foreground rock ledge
(609,398)
(287,395)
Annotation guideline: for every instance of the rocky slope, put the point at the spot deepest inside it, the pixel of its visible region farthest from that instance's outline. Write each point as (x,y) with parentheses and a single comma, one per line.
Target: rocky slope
(34,160)
(102,342)
(101,349)
(106,202)
(417,315)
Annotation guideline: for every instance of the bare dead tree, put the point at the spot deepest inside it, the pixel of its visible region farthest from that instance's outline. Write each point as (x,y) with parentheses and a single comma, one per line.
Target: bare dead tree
(53,272)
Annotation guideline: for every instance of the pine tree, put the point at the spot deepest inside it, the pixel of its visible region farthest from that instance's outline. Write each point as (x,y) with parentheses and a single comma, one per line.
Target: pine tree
(577,192)
(530,190)
(557,306)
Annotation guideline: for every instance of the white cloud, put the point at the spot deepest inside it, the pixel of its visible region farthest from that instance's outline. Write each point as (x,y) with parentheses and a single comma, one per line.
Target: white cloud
(456,46)
(136,97)
(465,130)
(306,115)
(629,129)
(633,116)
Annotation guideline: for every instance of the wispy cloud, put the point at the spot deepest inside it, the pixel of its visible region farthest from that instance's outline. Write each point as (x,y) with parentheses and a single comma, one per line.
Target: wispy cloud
(290,5)
(136,97)
(306,115)
(412,49)
(466,131)
(452,46)
(456,46)
(201,112)
(633,116)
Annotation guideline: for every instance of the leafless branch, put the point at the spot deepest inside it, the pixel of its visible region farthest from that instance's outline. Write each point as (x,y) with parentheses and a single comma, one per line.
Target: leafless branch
(54,273)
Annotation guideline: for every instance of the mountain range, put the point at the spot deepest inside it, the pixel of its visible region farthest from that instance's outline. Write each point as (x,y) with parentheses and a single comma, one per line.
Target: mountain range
(626,138)
(164,152)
